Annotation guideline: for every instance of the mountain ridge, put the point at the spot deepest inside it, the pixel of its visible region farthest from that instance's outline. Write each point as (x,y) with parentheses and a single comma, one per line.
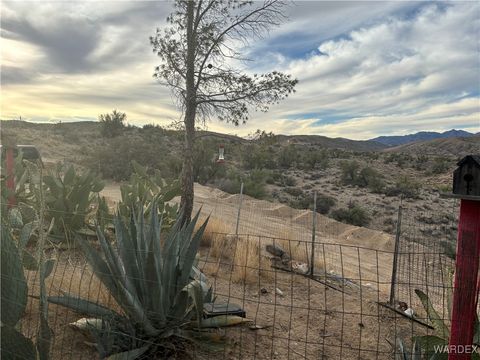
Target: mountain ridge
(396,140)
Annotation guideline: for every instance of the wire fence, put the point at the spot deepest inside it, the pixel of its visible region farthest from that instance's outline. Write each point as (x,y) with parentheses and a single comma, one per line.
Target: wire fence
(290,314)
(425,259)
(308,286)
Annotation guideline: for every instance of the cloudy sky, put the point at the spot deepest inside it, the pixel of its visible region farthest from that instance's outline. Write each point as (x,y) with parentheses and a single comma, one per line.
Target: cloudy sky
(365,68)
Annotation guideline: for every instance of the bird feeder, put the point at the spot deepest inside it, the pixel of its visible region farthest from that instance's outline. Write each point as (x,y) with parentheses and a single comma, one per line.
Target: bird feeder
(466,187)
(221,154)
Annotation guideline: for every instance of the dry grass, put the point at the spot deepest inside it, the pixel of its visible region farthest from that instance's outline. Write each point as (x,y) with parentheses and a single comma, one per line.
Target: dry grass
(247,256)
(215,226)
(249,263)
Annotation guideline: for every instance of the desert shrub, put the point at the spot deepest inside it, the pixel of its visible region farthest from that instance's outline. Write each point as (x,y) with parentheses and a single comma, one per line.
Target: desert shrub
(370,178)
(294,191)
(405,187)
(257,156)
(401,159)
(288,180)
(315,158)
(287,156)
(440,165)
(113,159)
(230,185)
(305,201)
(300,202)
(112,124)
(354,215)
(349,171)
(253,183)
(325,203)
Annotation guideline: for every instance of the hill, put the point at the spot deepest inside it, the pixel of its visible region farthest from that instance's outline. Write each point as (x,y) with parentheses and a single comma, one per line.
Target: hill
(457,147)
(420,136)
(332,143)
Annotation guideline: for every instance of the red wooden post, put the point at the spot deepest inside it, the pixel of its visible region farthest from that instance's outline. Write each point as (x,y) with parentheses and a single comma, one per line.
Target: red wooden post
(10,180)
(466,281)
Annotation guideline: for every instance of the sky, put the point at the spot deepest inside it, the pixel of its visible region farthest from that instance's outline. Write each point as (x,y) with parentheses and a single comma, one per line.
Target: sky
(364,68)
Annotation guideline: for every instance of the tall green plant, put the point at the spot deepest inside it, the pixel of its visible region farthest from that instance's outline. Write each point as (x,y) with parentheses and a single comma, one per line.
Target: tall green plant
(68,199)
(145,190)
(158,288)
(440,337)
(14,292)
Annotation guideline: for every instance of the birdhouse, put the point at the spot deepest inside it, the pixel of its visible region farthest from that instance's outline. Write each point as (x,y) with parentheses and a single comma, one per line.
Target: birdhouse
(221,154)
(466,178)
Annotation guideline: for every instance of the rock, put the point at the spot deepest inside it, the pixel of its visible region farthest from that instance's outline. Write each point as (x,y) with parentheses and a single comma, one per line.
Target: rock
(275,250)
(409,312)
(298,267)
(279,292)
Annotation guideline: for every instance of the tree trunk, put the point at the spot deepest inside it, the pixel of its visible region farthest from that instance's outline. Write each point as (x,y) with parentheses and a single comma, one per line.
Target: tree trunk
(186,202)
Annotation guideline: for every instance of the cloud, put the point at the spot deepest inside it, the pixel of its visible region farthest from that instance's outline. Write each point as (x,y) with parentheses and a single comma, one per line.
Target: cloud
(396,68)
(364,70)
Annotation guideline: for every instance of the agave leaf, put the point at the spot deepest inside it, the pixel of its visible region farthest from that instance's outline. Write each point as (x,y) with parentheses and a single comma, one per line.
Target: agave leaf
(429,343)
(129,355)
(416,351)
(84,306)
(440,327)
(126,253)
(223,321)
(195,292)
(112,260)
(15,346)
(402,353)
(191,252)
(127,300)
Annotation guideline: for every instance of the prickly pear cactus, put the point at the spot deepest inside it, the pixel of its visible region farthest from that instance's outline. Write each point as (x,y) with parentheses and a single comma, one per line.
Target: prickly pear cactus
(13,301)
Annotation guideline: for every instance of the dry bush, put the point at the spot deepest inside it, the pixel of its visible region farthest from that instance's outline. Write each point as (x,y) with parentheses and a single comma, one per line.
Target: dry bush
(249,263)
(214,228)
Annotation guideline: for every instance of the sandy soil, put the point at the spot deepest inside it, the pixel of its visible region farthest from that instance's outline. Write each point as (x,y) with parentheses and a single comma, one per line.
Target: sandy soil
(357,253)
(307,321)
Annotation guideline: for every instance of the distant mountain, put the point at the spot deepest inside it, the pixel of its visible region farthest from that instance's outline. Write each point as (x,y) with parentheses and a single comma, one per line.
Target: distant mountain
(332,143)
(420,136)
(456,146)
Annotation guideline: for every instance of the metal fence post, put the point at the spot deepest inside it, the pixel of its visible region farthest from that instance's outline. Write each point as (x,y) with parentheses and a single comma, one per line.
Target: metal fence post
(314,230)
(239,209)
(395,254)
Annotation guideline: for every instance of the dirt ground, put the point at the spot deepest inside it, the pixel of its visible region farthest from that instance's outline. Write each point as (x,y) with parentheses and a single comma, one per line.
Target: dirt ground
(357,253)
(303,319)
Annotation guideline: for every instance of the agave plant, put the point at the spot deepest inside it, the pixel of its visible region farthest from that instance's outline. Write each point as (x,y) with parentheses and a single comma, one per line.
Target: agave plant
(441,334)
(404,354)
(160,291)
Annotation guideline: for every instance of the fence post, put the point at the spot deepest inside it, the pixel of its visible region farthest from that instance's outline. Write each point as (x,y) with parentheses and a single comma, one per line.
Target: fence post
(239,209)
(395,254)
(314,230)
